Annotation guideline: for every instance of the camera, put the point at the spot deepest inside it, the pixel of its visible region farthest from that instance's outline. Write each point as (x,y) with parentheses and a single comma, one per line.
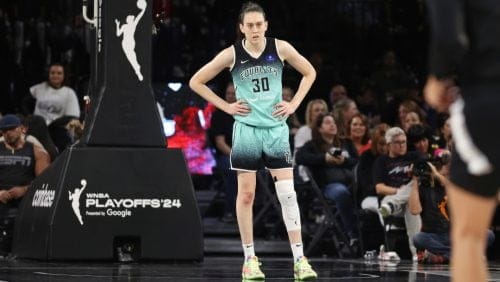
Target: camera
(336,152)
(423,171)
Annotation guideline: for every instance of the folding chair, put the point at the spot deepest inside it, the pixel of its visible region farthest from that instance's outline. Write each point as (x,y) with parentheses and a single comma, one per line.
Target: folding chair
(330,223)
(357,210)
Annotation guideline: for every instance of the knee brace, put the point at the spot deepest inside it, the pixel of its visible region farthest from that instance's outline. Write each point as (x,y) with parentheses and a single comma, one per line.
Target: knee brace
(289,206)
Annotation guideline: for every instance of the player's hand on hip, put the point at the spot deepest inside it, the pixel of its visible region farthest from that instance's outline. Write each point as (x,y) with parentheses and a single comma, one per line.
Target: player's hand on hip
(440,94)
(239,108)
(283,110)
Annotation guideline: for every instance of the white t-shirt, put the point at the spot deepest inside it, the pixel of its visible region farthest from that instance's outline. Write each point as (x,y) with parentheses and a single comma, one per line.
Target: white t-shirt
(302,135)
(54,103)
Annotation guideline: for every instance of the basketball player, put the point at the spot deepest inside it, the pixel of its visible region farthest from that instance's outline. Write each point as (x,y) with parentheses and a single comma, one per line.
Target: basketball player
(260,130)
(462,39)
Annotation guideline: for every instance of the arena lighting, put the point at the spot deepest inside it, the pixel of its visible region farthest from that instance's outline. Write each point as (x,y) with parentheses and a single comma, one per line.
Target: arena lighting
(175,86)
(201,117)
(168,124)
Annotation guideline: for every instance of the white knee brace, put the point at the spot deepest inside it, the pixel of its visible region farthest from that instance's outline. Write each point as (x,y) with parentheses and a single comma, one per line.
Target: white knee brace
(289,206)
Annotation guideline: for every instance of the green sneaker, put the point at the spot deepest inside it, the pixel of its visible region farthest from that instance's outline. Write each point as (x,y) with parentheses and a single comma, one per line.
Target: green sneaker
(302,270)
(251,269)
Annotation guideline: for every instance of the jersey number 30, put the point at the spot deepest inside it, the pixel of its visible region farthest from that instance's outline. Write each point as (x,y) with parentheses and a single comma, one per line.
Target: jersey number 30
(260,84)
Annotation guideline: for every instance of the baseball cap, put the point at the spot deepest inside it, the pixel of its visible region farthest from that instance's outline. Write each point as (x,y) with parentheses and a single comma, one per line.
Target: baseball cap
(9,121)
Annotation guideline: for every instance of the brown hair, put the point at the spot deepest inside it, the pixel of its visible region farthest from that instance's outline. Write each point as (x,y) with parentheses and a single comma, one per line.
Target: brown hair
(248,7)
(318,139)
(378,133)
(364,120)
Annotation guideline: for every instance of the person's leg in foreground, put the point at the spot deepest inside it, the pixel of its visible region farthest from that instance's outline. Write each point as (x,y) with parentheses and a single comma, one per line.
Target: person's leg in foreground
(470,217)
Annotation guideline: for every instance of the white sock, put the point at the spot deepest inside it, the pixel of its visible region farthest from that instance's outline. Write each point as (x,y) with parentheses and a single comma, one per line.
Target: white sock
(248,251)
(298,251)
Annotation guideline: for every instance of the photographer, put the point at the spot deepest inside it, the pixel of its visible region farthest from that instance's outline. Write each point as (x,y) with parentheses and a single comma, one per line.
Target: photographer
(428,199)
(331,161)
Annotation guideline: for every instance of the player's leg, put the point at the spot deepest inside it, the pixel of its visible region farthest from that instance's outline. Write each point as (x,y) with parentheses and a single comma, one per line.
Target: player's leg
(246,159)
(470,217)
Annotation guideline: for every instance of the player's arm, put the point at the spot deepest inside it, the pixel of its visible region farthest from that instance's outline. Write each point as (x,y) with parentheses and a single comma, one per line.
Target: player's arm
(448,45)
(198,82)
(289,54)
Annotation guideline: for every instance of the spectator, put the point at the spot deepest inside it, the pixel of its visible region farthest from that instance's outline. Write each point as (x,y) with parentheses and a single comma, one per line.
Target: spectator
(406,107)
(20,163)
(221,134)
(420,139)
(365,168)
(358,133)
(337,92)
(392,178)
(410,119)
(53,98)
(428,199)
(343,111)
(313,109)
(36,127)
(331,160)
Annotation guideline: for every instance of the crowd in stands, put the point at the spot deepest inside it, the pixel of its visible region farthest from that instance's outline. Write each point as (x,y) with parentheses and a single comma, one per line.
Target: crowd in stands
(365,110)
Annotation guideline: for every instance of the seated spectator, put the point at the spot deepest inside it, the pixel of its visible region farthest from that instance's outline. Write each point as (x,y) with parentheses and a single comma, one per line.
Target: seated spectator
(20,163)
(392,178)
(337,92)
(53,99)
(25,135)
(420,139)
(428,199)
(444,131)
(367,193)
(331,160)
(358,133)
(405,107)
(65,131)
(410,119)
(36,127)
(314,108)
(343,111)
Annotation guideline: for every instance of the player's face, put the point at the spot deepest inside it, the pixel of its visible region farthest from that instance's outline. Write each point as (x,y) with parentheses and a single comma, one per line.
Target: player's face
(254,27)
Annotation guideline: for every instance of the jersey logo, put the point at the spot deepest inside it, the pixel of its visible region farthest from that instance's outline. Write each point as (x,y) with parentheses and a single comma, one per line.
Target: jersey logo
(244,61)
(270,58)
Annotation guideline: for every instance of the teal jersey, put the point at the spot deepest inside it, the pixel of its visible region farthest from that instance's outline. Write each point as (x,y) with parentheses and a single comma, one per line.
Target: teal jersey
(258,82)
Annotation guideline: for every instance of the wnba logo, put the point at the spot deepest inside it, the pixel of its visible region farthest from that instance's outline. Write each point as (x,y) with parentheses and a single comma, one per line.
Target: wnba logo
(75,200)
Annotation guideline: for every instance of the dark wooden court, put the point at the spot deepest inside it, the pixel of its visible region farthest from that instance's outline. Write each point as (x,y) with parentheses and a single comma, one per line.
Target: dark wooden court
(224,269)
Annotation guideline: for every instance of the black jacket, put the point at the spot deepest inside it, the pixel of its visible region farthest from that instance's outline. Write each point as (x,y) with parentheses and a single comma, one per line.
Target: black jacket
(313,157)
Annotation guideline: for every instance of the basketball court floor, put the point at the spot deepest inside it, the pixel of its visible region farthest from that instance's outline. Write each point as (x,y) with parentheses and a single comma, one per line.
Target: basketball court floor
(226,268)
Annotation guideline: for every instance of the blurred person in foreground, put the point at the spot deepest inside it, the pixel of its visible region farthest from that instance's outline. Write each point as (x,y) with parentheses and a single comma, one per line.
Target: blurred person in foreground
(462,42)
